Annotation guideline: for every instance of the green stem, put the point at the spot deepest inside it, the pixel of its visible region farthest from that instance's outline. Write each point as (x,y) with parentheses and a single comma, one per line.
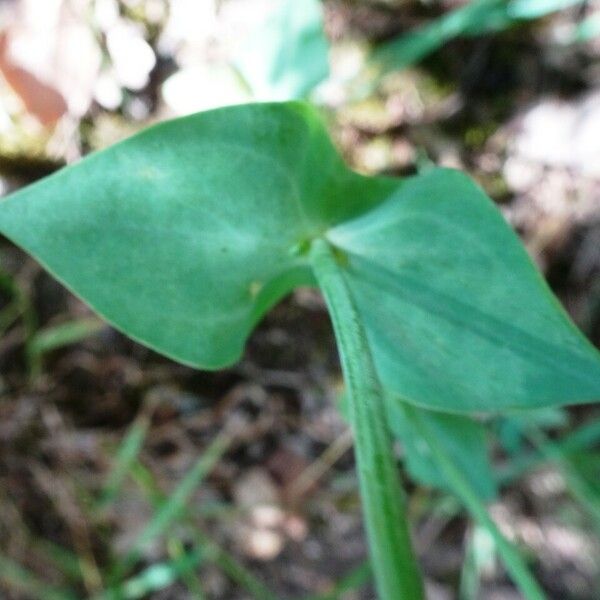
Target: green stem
(511,557)
(396,571)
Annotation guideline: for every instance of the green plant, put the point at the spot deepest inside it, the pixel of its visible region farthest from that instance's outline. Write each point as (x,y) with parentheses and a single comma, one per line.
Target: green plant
(185,235)
(475,18)
(286,57)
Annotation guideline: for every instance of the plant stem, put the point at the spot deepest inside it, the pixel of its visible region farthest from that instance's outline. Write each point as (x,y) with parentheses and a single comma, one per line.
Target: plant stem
(511,557)
(396,571)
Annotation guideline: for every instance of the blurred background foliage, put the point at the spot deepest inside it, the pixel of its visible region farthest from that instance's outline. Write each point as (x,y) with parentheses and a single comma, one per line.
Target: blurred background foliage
(123,475)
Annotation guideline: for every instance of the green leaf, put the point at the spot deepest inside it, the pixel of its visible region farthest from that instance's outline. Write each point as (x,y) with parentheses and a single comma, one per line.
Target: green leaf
(125,457)
(14,576)
(477,17)
(172,507)
(458,317)
(186,234)
(58,336)
(511,427)
(155,578)
(211,551)
(463,440)
(286,57)
(534,9)
(512,558)
(183,236)
(587,30)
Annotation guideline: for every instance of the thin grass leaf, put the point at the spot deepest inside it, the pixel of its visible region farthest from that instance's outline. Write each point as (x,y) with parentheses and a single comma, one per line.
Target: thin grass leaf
(171,509)
(155,578)
(480,552)
(66,561)
(8,316)
(212,551)
(234,570)
(65,334)
(412,47)
(10,313)
(146,482)
(475,18)
(179,498)
(188,577)
(21,307)
(468,588)
(577,485)
(580,439)
(15,577)
(126,455)
(353,580)
(514,562)
(7,283)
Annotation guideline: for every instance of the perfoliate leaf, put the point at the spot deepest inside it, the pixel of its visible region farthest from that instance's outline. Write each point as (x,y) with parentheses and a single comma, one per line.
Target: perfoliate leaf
(458,317)
(464,441)
(186,234)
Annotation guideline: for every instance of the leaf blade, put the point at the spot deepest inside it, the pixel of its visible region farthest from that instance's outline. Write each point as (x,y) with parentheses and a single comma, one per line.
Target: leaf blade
(462,438)
(460,319)
(185,235)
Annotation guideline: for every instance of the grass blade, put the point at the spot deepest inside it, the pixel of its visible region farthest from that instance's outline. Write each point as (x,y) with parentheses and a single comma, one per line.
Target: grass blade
(126,455)
(21,307)
(577,485)
(234,570)
(8,316)
(212,551)
(171,509)
(178,499)
(19,579)
(155,578)
(511,557)
(189,577)
(65,334)
(353,580)
(475,18)
(479,555)
(412,47)
(580,439)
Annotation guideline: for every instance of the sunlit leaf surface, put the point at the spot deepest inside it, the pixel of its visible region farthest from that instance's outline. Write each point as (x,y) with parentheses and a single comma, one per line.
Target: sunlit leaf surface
(185,235)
